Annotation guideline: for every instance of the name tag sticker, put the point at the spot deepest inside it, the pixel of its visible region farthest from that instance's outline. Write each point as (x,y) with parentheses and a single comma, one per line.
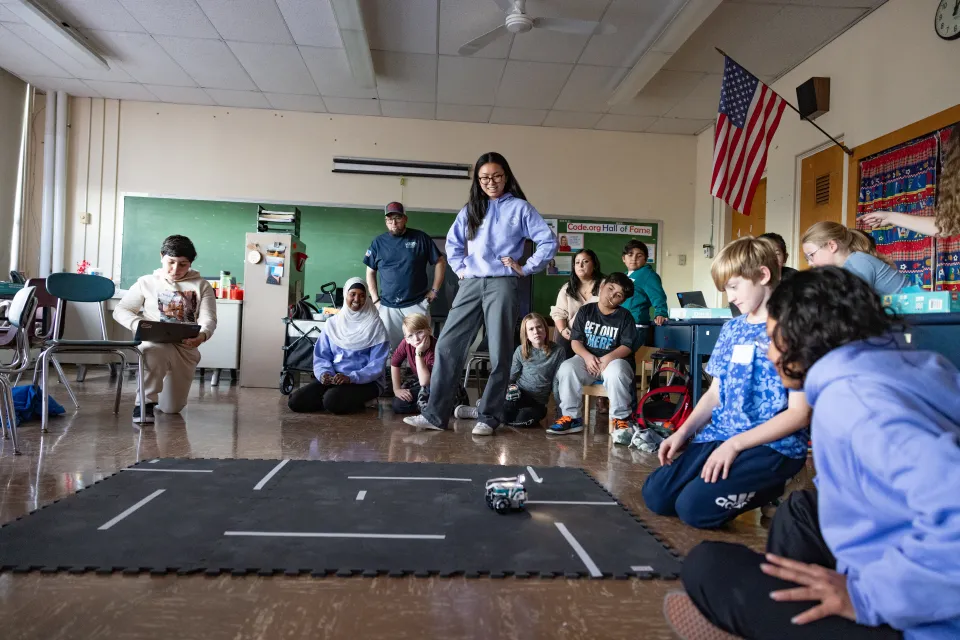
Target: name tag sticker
(742,354)
(338,357)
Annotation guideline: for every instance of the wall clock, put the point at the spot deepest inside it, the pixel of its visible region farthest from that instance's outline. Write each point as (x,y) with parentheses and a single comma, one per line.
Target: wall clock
(947,20)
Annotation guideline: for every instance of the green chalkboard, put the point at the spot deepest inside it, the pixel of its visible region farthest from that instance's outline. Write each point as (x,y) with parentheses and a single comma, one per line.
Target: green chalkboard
(606,238)
(336,237)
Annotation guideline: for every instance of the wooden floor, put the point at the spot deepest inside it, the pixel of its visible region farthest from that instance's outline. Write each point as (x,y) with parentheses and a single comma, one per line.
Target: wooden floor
(228,422)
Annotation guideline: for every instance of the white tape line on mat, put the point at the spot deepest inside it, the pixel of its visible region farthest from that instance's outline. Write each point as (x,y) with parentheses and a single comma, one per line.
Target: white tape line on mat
(169,470)
(126,513)
(267,477)
(312,534)
(574,502)
(361,495)
(408,478)
(587,560)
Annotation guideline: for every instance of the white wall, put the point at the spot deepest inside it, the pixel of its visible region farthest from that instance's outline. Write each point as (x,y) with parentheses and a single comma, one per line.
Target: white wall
(12,95)
(261,155)
(888,71)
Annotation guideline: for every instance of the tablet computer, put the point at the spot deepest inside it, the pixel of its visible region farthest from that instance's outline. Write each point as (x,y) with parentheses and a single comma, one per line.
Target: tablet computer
(150,331)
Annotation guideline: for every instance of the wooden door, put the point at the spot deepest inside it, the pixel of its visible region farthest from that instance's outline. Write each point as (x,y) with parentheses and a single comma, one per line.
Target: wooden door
(756,222)
(821,187)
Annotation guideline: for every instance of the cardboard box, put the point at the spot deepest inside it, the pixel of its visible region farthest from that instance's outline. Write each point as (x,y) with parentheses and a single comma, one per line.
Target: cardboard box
(690,313)
(923,302)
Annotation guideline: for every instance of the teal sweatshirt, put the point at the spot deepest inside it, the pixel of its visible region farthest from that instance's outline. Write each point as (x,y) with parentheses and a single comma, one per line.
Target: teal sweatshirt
(647,292)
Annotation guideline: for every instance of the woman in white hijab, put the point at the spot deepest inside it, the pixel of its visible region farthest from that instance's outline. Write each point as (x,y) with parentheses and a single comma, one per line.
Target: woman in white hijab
(349,359)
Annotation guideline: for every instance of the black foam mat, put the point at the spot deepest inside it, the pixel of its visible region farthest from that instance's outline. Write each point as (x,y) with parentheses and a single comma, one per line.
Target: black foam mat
(311,517)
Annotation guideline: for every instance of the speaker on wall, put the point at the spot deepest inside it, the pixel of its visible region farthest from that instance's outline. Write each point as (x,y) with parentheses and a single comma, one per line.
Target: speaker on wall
(813,98)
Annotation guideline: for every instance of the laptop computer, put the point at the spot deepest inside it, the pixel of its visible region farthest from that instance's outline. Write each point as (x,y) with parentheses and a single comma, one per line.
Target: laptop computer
(160,332)
(692,299)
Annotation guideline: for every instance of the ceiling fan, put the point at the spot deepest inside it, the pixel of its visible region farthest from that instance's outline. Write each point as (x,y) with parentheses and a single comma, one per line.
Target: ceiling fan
(517,21)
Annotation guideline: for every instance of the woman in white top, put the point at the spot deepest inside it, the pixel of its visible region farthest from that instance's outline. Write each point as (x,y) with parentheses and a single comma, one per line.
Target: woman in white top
(582,288)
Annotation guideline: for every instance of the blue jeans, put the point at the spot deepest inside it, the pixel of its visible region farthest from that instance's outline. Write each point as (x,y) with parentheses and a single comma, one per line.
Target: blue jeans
(758,476)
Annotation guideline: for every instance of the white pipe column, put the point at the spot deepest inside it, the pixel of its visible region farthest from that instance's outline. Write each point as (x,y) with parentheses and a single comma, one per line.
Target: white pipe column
(49,153)
(60,186)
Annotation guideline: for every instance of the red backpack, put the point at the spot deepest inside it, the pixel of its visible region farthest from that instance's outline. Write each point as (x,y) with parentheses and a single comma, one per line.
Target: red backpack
(669,401)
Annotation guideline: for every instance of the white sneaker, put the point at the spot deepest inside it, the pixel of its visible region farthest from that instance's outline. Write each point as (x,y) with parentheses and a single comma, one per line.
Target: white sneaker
(465,412)
(482,429)
(422,422)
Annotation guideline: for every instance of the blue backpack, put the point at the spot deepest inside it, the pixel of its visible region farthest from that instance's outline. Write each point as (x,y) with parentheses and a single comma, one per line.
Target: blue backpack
(26,403)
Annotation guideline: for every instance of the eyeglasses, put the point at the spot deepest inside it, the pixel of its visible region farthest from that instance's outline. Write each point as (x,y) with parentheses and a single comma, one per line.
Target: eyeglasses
(809,256)
(497,177)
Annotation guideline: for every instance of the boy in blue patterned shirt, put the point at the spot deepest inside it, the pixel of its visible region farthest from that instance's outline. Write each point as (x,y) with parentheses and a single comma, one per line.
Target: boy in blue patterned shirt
(747,435)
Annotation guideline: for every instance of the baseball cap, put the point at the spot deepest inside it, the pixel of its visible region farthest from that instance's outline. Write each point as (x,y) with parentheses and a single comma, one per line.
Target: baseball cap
(393,207)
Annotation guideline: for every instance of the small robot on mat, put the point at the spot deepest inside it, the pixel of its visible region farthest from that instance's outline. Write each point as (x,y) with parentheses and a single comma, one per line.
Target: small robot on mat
(506,494)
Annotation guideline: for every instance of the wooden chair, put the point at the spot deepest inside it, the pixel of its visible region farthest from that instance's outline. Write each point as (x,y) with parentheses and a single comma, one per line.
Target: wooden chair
(595,390)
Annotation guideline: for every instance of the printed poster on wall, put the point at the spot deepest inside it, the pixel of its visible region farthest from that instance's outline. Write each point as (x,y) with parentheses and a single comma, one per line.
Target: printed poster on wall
(652,248)
(560,266)
(570,242)
(552,223)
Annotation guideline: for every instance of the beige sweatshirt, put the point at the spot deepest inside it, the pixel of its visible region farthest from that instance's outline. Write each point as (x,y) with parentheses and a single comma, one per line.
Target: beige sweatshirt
(190,299)
(567,305)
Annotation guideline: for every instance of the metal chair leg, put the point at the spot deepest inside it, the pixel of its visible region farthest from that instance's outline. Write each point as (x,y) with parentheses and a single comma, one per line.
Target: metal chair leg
(123,365)
(63,380)
(11,414)
(143,402)
(44,391)
(81,372)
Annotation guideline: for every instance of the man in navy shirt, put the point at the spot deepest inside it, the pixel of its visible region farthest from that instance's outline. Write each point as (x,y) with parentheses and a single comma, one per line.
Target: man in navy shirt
(401,257)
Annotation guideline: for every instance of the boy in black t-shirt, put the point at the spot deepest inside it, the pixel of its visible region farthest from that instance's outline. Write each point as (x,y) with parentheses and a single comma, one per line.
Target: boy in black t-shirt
(603,335)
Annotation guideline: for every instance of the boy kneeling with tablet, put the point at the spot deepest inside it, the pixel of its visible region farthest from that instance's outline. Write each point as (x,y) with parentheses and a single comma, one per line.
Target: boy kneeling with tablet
(874,551)
(173,293)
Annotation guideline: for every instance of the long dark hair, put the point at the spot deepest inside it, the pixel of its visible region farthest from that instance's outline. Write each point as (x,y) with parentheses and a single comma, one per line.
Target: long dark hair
(573,286)
(819,310)
(477,207)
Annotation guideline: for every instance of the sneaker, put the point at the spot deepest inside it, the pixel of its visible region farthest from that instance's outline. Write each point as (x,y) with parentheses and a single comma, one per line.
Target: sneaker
(148,417)
(687,621)
(617,423)
(565,425)
(466,412)
(422,422)
(482,429)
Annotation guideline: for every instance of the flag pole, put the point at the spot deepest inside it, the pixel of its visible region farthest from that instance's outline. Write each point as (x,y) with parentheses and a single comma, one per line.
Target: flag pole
(846,150)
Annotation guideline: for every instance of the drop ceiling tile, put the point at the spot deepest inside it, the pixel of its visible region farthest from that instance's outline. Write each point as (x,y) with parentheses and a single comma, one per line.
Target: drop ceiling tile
(703,101)
(572,119)
(248,20)
(414,110)
(243,99)
(353,106)
(612,122)
(275,68)
(408,26)
(210,62)
(463,20)
(679,126)
(730,27)
(62,59)
(509,115)
(818,3)
(20,58)
(180,95)
(672,84)
(121,90)
(791,36)
(468,81)
(644,106)
(289,102)
(71,85)
(107,15)
(182,18)
(532,85)
(588,88)
(312,22)
(463,113)
(637,23)
(331,73)
(142,58)
(8,16)
(409,77)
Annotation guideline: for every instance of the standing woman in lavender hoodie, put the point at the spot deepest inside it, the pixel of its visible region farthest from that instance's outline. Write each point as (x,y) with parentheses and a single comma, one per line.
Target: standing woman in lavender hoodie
(483,247)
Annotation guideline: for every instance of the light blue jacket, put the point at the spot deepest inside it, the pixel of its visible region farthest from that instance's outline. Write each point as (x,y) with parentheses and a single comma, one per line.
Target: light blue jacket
(362,366)
(509,221)
(886,445)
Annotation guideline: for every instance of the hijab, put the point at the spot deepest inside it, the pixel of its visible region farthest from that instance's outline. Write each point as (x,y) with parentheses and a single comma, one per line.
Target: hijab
(356,330)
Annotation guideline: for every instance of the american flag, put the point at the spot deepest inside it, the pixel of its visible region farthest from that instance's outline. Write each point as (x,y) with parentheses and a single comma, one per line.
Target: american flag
(749,115)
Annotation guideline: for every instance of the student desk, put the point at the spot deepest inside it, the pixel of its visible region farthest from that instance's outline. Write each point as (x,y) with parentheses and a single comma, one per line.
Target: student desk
(696,337)
(938,332)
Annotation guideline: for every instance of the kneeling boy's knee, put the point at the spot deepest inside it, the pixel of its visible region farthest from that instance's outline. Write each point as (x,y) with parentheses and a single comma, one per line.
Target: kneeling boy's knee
(654,498)
(699,516)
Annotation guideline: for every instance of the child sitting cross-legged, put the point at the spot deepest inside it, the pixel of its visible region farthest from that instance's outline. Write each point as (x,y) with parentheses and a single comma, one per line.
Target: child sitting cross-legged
(417,350)
(746,437)
(603,335)
(534,367)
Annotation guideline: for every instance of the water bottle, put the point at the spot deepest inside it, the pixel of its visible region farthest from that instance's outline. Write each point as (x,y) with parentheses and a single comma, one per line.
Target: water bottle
(224,284)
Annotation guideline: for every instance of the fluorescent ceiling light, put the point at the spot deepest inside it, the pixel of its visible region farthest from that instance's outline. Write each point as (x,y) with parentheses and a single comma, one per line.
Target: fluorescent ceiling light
(355,44)
(404,168)
(668,41)
(57,32)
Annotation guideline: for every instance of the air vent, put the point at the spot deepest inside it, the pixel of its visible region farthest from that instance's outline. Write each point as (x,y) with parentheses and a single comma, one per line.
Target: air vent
(823,189)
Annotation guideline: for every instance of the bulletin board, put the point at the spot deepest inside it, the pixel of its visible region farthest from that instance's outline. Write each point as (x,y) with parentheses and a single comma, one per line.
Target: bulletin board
(605,237)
